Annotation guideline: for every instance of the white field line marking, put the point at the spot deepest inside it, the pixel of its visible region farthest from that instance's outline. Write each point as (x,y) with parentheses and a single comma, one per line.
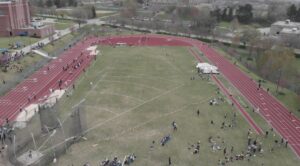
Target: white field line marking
(115,117)
(100,108)
(137,84)
(95,86)
(131,109)
(151,120)
(144,77)
(119,94)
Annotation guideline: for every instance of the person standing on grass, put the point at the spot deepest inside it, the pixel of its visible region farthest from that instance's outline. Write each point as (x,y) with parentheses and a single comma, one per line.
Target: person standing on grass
(198,112)
(174,126)
(170,162)
(267,133)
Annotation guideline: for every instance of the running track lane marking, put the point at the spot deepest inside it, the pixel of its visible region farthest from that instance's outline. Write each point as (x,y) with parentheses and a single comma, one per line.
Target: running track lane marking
(248,118)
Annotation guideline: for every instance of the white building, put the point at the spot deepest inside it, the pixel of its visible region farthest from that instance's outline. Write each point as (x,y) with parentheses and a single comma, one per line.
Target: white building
(284,27)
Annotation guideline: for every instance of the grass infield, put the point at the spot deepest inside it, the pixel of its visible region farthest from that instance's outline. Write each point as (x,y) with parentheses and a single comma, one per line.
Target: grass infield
(137,92)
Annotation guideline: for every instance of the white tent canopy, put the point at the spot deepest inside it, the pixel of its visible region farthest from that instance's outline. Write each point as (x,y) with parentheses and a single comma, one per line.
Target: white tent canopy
(207,68)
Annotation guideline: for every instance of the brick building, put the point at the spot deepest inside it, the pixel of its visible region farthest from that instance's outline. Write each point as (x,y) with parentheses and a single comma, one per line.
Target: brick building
(15,20)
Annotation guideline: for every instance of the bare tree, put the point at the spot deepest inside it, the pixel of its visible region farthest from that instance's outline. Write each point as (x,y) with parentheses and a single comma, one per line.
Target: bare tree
(80,14)
(204,23)
(129,8)
(250,37)
(234,25)
(276,11)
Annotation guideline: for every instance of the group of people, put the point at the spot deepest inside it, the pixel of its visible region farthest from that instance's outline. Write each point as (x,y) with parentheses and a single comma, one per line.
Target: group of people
(195,148)
(129,159)
(7,57)
(16,45)
(39,45)
(6,133)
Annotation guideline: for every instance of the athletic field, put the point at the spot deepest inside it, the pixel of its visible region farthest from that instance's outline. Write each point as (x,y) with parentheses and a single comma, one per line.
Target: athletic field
(133,94)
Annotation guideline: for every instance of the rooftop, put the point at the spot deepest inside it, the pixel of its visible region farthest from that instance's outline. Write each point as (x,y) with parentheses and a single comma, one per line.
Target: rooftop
(287,23)
(290,31)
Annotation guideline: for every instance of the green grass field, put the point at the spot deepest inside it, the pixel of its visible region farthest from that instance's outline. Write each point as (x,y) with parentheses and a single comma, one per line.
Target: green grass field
(5,41)
(62,42)
(136,94)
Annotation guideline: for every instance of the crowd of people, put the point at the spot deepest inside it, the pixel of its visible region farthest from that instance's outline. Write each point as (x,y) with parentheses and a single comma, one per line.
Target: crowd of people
(7,57)
(6,133)
(129,159)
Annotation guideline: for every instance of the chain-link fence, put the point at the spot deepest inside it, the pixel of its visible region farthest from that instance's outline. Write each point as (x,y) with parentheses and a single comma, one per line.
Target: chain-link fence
(47,136)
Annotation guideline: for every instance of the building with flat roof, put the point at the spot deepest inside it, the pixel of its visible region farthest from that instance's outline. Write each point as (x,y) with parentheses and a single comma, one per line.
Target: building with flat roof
(284,26)
(15,20)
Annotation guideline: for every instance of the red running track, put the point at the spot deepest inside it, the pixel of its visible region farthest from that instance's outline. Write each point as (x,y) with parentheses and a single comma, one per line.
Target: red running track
(274,112)
(37,87)
(234,101)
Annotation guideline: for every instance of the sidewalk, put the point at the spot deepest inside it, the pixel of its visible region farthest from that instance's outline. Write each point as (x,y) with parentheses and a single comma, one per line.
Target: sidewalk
(58,34)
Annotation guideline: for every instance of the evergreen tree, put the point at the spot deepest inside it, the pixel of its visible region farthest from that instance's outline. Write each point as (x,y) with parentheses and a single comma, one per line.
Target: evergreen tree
(224,14)
(71,2)
(292,12)
(230,14)
(297,18)
(57,3)
(40,3)
(49,3)
(94,14)
(217,14)
(244,13)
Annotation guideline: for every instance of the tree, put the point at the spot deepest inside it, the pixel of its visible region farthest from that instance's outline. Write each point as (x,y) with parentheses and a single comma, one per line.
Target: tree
(204,23)
(292,12)
(297,18)
(57,3)
(234,24)
(244,13)
(227,14)
(40,3)
(49,3)
(217,14)
(250,37)
(274,60)
(80,14)
(129,8)
(94,14)
(275,12)
(72,2)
